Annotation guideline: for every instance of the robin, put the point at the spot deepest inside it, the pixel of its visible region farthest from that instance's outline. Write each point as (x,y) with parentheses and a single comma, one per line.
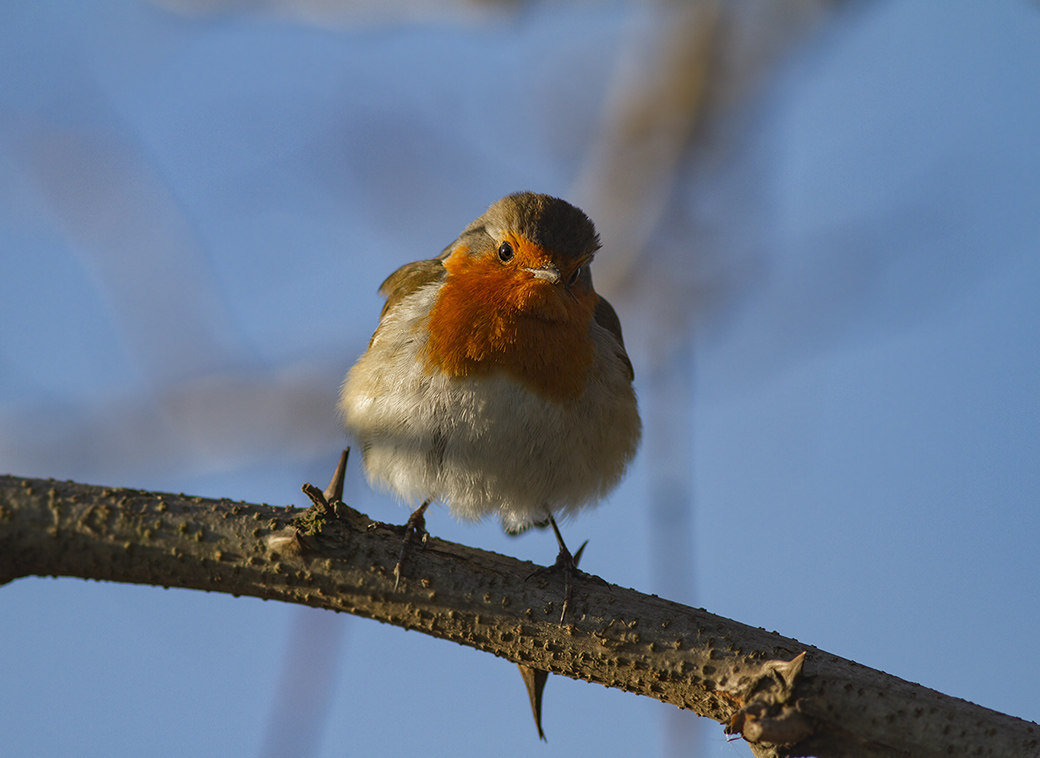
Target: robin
(497,380)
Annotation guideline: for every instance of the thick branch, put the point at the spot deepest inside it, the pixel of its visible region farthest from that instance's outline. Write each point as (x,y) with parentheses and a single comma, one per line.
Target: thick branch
(756,682)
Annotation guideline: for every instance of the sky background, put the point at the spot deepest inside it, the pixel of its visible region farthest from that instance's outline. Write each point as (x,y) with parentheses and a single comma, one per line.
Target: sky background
(196,210)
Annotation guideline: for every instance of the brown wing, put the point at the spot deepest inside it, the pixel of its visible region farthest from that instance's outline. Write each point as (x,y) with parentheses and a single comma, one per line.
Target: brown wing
(607,318)
(405,281)
(408,279)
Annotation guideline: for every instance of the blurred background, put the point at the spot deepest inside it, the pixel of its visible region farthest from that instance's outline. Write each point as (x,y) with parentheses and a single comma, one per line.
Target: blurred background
(821,232)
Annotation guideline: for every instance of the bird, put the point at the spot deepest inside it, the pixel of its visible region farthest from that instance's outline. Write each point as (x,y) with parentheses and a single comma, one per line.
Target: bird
(497,382)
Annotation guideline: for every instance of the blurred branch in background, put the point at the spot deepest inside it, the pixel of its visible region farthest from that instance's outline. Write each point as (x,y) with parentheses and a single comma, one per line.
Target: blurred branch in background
(307,678)
(655,102)
(135,240)
(347,12)
(208,402)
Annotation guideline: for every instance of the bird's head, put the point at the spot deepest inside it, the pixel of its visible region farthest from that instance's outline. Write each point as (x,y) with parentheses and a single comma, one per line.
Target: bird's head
(528,253)
(518,292)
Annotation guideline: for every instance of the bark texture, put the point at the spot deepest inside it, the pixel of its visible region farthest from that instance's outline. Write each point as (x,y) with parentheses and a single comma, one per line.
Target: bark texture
(783,697)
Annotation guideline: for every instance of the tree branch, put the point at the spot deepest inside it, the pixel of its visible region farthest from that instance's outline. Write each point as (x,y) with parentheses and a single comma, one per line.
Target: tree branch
(783,697)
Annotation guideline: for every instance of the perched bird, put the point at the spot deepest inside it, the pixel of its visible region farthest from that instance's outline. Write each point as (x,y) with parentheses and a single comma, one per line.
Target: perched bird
(497,380)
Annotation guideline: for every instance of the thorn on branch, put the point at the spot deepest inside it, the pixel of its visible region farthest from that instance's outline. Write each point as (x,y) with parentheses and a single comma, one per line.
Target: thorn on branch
(534,681)
(334,492)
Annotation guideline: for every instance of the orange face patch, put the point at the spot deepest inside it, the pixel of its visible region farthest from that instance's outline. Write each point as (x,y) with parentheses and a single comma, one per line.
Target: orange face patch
(492,316)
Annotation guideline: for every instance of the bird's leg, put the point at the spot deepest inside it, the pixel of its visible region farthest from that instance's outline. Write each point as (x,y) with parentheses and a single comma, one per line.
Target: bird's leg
(566,563)
(564,559)
(416,526)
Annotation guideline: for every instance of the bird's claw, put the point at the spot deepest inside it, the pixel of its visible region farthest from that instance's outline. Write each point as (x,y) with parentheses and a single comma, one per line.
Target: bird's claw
(569,566)
(566,564)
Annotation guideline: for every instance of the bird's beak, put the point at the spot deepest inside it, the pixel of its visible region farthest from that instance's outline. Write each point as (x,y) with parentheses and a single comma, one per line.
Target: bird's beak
(548,272)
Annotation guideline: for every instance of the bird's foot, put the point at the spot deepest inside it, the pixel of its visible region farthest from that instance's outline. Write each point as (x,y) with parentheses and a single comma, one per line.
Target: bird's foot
(415,527)
(566,564)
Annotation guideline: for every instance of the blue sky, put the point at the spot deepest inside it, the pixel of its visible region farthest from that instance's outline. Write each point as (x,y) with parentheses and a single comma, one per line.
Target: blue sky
(195,213)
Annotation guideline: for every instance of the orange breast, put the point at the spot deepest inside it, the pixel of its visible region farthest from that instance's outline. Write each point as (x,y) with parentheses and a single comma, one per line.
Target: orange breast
(492,318)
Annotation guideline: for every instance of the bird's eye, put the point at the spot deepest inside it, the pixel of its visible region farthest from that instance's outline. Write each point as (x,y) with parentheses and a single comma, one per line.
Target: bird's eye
(505,252)
(574,276)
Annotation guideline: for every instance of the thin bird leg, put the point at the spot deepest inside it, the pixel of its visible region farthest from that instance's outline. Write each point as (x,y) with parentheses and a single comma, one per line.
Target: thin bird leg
(568,564)
(564,559)
(416,526)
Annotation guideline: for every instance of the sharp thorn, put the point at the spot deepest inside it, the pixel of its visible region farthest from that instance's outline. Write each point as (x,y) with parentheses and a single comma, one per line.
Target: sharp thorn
(534,681)
(334,492)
